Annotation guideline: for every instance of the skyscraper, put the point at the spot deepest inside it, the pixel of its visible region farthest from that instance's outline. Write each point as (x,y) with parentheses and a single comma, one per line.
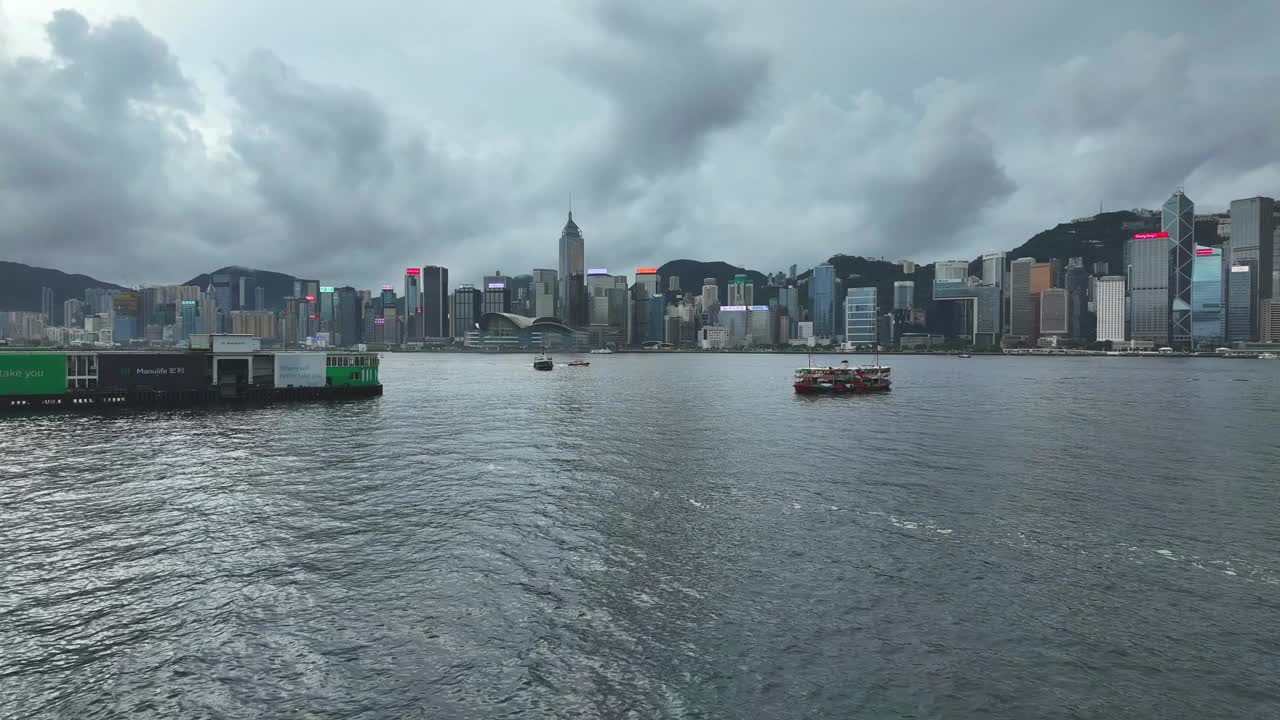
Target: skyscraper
(222,291)
(545,285)
(1208,321)
(1242,311)
(822,288)
(435,302)
(1077,287)
(789,301)
(496,298)
(647,278)
(259,298)
(1253,244)
(1109,301)
(1022,321)
(188,321)
(710,294)
(1149,272)
(349,313)
(1044,275)
(741,291)
(73,313)
(573,292)
(1179,221)
(995,270)
(248,286)
(412,303)
(860,316)
(46,306)
(950,271)
(464,310)
(1053,312)
(904,294)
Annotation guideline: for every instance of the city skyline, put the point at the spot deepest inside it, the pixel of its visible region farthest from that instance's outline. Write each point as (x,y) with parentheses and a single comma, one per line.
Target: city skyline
(223,138)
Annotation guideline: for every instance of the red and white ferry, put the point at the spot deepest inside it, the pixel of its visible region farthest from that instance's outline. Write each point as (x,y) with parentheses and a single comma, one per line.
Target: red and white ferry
(843,379)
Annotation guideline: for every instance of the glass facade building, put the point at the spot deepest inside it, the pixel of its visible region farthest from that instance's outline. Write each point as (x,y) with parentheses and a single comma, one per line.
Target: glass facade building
(789,301)
(1148,280)
(1178,219)
(655,329)
(1253,243)
(1208,321)
(435,301)
(822,290)
(860,317)
(975,312)
(1241,309)
(904,294)
(573,269)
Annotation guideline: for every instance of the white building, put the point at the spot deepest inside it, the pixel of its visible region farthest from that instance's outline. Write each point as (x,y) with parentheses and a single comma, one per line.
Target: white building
(1109,302)
(804,330)
(950,271)
(713,337)
(995,270)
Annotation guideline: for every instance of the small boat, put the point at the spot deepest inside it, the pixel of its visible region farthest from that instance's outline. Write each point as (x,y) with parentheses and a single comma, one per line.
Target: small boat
(842,380)
(578,363)
(543,362)
(602,351)
(1268,356)
(964,355)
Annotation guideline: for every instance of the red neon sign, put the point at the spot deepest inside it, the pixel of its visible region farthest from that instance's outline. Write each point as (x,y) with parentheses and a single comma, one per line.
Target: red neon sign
(310,298)
(413,271)
(1204,251)
(1148,236)
(315,317)
(646,271)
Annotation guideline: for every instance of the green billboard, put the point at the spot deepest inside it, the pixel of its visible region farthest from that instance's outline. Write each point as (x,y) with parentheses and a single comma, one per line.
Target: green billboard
(33,373)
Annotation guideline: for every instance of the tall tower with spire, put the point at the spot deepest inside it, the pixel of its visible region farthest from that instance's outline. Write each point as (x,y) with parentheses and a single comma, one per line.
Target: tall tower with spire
(573,272)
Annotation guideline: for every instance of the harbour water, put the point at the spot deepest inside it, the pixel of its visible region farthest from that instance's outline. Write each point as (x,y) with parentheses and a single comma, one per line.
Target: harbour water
(673,536)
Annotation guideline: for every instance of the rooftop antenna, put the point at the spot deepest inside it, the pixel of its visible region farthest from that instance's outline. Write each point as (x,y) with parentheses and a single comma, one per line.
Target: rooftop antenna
(570,204)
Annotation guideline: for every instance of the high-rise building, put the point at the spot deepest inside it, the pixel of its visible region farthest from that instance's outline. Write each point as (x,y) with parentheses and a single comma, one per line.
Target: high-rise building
(1269,320)
(464,310)
(1054,316)
(247,289)
(73,313)
(963,310)
(47,306)
(435,301)
(349,316)
(1044,275)
(1022,320)
(259,298)
(860,317)
(1241,308)
(222,295)
(1208,319)
(995,270)
(710,294)
(573,269)
(188,319)
(1149,272)
(1178,220)
(496,298)
(950,271)
(741,291)
(1077,286)
(1109,301)
(258,324)
(545,284)
(791,274)
(908,266)
(124,316)
(789,302)
(904,294)
(655,328)
(1253,228)
(413,303)
(673,284)
(822,293)
(647,278)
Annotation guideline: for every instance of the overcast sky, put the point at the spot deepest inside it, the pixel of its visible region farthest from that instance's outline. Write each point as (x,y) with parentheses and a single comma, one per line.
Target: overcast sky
(146,141)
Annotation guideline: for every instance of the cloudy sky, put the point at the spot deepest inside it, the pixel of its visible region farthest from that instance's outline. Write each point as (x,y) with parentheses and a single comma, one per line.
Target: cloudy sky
(146,141)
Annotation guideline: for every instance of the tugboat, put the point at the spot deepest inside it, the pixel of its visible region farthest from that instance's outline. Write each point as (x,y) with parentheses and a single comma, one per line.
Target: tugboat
(842,380)
(543,362)
(578,363)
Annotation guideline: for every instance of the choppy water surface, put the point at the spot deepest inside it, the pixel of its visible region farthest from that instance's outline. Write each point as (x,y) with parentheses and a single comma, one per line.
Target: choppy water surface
(659,536)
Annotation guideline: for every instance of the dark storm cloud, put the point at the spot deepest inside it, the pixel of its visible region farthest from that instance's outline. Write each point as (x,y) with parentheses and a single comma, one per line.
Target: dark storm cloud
(671,77)
(87,140)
